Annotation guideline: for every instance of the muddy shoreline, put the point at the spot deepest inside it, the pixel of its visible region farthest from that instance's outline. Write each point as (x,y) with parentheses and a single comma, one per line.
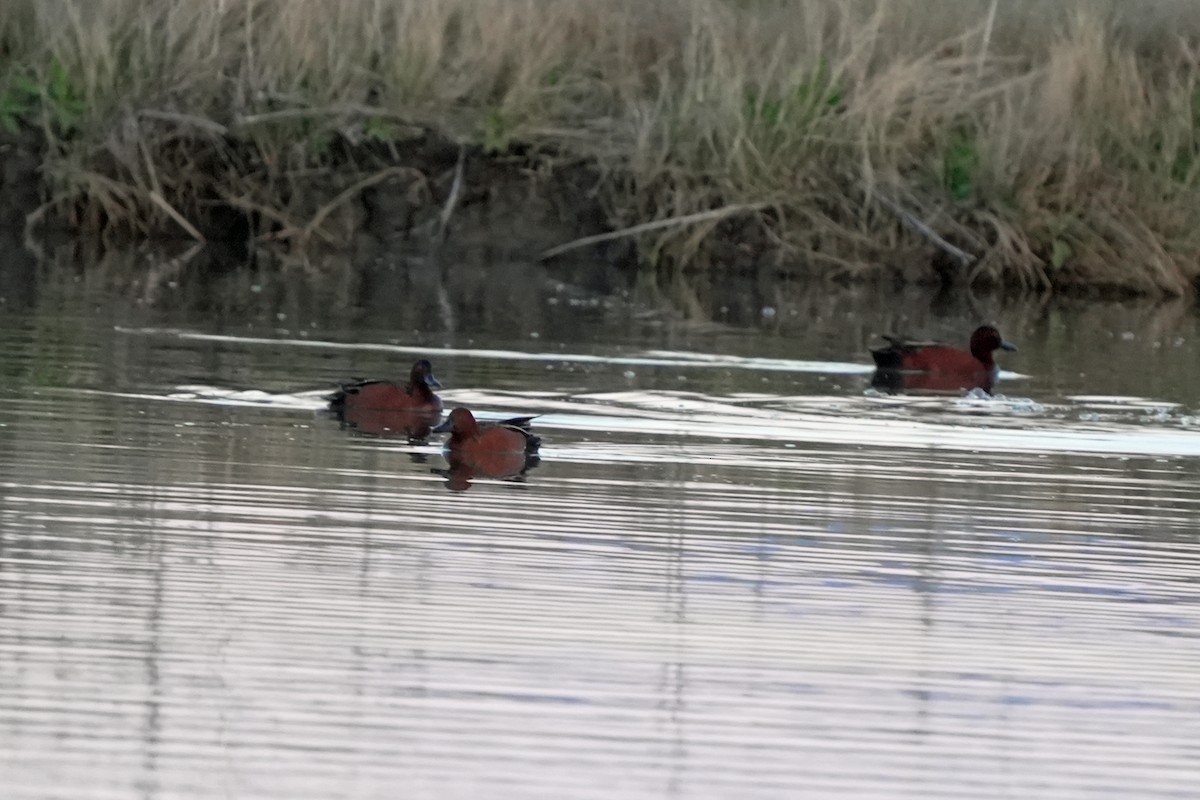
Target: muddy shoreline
(427,192)
(422,191)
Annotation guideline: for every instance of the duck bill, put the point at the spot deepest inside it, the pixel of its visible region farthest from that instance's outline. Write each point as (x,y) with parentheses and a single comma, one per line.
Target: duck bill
(1009,346)
(443,427)
(434,383)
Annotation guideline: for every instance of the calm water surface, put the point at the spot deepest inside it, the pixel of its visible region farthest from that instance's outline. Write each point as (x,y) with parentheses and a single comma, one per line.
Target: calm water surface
(737,572)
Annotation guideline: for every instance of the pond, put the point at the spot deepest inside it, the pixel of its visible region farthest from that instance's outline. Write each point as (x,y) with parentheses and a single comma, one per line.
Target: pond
(738,571)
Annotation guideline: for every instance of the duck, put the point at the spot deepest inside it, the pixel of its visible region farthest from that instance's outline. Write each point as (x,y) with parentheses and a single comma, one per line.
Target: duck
(513,435)
(910,356)
(503,450)
(416,395)
(384,408)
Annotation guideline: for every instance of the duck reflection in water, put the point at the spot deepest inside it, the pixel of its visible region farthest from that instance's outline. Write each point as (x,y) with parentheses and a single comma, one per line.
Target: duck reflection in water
(385,408)
(504,450)
(907,366)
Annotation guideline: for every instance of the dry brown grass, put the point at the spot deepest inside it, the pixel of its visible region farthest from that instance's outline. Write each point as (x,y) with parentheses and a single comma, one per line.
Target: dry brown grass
(1056,141)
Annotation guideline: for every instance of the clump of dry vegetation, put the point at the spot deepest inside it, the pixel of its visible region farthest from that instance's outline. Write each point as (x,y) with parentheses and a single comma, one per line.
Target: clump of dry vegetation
(1030,142)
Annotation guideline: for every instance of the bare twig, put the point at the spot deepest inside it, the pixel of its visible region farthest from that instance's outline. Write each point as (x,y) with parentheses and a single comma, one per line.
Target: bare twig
(924,229)
(452,200)
(192,120)
(37,217)
(286,114)
(249,205)
(987,38)
(151,172)
(166,271)
(646,227)
(158,200)
(296,232)
(347,194)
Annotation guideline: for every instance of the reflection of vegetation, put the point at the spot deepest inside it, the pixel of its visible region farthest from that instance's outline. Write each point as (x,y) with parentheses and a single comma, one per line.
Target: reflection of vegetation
(45,352)
(1050,116)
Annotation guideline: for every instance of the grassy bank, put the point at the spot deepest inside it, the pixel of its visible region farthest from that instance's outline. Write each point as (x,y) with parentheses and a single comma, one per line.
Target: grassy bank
(1050,142)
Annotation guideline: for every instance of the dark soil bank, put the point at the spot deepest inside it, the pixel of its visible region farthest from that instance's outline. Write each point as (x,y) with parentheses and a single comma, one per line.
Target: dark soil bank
(20,179)
(420,191)
(423,190)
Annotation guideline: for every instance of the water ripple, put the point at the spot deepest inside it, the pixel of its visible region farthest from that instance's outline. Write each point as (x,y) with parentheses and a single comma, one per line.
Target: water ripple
(775,590)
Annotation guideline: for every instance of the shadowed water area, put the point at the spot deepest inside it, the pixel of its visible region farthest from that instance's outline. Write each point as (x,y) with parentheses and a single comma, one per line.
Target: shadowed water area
(737,572)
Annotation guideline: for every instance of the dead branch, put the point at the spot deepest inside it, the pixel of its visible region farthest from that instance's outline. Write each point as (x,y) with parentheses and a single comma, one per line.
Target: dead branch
(452,200)
(965,258)
(159,201)
(190,120)
(350,192)
(646,227)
